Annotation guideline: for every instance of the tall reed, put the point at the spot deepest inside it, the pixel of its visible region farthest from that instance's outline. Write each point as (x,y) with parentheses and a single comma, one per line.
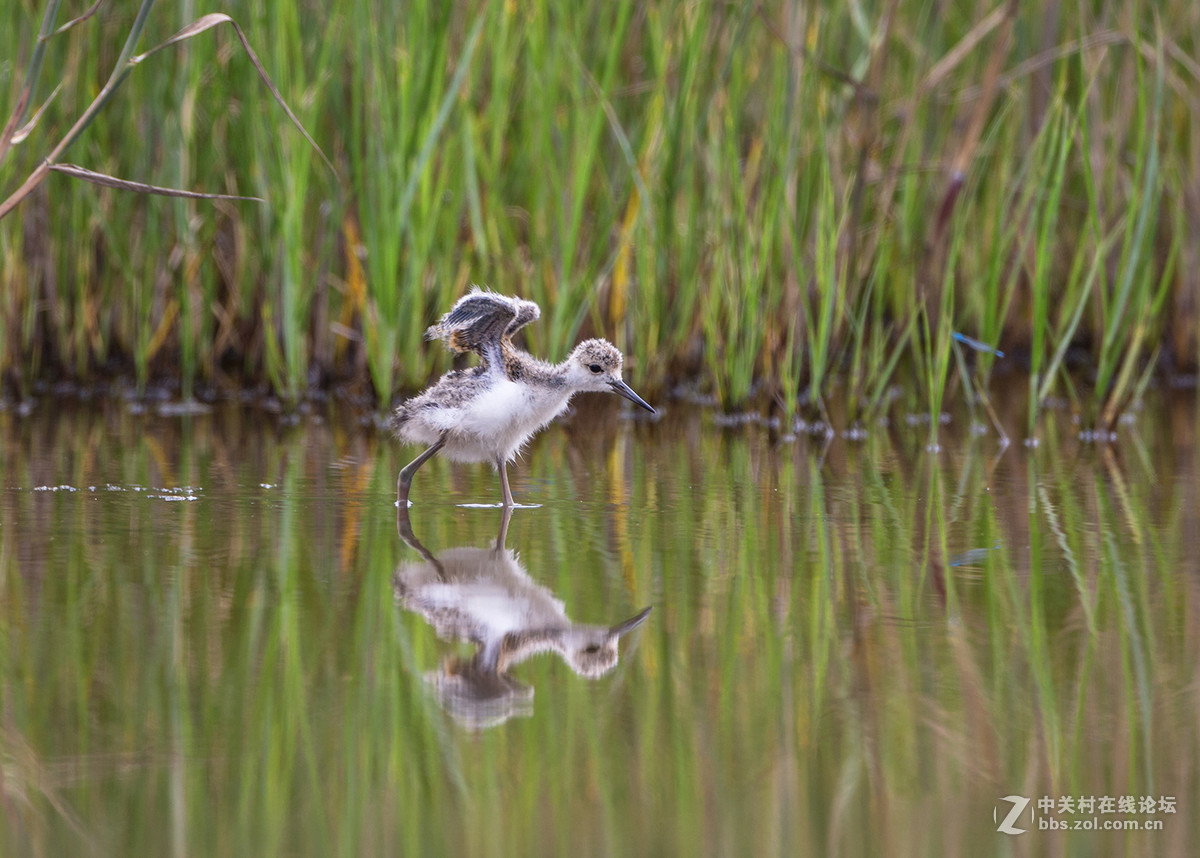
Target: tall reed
(761,197)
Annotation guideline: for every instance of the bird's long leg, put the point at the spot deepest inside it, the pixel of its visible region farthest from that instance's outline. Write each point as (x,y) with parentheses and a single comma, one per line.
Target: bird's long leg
(404,482)
(502,466)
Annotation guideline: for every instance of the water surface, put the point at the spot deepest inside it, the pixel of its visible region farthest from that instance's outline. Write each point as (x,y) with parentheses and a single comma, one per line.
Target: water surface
(218,641)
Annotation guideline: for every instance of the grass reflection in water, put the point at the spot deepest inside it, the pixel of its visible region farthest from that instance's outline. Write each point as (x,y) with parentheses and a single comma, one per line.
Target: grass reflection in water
(853,648)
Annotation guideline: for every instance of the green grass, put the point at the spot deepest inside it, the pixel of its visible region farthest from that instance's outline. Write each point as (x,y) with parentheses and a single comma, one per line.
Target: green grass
(781,202)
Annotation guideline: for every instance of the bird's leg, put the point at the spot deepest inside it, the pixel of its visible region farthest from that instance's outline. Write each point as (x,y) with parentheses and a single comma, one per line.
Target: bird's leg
(404,482)
(502,466)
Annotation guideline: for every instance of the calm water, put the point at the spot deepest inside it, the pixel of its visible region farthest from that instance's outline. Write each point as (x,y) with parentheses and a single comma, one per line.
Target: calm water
(217,641)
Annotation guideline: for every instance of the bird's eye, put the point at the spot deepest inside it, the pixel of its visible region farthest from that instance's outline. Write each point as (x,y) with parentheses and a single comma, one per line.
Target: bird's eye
(595,368)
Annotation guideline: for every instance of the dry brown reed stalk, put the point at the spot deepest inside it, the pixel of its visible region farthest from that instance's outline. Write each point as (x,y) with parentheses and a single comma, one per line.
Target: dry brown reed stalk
(14,132)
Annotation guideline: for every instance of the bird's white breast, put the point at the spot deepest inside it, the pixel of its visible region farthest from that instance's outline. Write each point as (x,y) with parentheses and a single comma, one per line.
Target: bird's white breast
(504,416)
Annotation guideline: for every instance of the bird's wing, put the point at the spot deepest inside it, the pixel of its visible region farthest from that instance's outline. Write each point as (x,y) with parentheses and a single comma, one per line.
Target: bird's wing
(480,320)
(526,312)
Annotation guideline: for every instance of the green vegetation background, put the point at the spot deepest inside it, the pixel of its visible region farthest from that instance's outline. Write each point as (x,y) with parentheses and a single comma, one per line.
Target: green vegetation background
(776,199)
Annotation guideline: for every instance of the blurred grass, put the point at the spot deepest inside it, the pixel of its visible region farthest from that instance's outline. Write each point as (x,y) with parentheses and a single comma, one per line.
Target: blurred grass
(820,669)
(767,197)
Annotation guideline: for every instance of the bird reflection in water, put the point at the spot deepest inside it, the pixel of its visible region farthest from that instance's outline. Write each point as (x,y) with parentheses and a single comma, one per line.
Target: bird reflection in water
(484,596)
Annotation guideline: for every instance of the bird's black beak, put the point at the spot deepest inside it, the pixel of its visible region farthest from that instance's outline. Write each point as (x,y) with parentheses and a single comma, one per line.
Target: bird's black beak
(630,624)
(625,390)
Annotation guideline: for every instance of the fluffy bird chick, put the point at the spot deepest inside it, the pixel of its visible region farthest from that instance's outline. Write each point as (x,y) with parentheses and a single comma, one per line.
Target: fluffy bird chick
(487,413)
